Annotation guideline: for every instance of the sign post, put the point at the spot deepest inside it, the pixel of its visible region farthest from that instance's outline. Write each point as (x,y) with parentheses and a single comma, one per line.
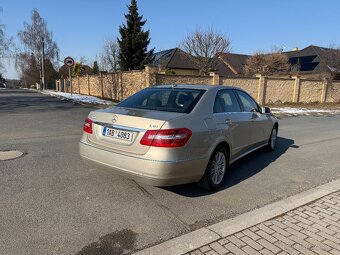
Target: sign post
(68,61)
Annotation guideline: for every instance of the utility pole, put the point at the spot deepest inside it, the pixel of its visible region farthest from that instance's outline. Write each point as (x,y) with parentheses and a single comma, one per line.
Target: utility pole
(43,65)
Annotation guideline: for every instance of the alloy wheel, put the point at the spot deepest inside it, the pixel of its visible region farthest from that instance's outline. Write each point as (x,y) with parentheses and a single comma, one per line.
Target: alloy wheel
(218,167)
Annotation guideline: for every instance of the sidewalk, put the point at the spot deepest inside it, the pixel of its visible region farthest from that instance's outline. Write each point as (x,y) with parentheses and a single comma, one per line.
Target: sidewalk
(307,223)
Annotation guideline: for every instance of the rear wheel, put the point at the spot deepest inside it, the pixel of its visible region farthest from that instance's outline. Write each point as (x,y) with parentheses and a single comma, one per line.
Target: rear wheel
(272,139)
(216,170)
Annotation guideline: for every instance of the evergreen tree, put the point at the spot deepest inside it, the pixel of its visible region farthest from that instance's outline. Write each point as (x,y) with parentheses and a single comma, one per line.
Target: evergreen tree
(95,67)
(79,69)
(134,41)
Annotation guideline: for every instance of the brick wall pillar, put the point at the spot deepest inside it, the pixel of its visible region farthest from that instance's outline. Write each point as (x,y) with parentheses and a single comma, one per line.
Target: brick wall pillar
(324,90)
(57,85)
(88,84)
(215,78)
(101,82)
(78,84)
(150,75)
(261,90)
(296,91)
(113,86)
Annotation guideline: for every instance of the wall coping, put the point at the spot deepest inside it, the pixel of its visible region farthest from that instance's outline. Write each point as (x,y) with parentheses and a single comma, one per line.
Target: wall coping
(238,78)
(190,76)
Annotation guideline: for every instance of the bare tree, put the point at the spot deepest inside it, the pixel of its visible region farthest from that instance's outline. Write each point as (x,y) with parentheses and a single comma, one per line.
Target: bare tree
(332,61)
(267,64)
(109,56)
(37,40)
(204,46)
(28,68)
(6,45)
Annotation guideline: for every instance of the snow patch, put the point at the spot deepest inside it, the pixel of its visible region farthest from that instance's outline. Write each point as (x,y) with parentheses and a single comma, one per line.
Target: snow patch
(292,110)
(77,97)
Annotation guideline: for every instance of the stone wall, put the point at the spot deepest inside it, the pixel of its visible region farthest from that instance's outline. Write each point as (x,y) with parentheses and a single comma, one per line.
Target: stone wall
(333,92)
(183,79)
(120,85)
(279,90)
(248,84)
(310,91)
(130,83)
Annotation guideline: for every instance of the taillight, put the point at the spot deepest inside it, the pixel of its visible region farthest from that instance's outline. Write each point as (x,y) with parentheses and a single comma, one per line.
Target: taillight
(176,137)
(88,126)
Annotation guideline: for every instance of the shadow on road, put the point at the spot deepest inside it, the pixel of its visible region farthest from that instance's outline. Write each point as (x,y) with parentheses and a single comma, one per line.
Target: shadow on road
(240,170)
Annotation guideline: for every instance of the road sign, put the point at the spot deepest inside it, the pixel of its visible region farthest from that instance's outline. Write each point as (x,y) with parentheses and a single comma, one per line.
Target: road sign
(69,61)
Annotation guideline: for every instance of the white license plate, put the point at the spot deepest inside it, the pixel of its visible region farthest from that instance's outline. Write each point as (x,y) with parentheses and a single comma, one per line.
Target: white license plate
(118,134)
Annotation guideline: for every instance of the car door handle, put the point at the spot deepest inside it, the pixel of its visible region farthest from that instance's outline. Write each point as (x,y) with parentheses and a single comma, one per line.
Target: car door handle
(228,121)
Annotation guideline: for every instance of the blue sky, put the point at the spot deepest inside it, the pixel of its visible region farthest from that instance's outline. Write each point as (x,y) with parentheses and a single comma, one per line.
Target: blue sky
(80,27)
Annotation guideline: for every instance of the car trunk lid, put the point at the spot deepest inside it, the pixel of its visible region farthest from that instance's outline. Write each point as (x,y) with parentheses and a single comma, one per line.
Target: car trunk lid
(121,129)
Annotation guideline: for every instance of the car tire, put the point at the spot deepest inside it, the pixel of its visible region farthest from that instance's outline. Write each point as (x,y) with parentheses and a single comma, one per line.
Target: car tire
(216,170)
(272,139)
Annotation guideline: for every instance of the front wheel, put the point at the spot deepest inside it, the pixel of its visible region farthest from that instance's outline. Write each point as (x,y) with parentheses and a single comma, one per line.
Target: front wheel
(272,140)
(216,170)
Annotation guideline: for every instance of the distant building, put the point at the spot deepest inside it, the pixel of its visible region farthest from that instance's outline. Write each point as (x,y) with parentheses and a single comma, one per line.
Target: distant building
(314,61)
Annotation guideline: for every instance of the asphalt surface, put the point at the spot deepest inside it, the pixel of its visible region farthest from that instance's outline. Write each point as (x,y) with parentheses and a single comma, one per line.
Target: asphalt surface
(52,203)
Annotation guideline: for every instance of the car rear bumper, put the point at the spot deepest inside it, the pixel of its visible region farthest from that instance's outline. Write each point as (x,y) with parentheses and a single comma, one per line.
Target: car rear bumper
(151,172)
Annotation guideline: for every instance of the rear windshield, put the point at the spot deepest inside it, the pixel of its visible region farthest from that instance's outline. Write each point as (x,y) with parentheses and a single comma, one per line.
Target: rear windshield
(164,99)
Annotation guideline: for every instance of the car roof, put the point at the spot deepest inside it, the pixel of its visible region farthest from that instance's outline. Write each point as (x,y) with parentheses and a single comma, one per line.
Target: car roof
(196,86)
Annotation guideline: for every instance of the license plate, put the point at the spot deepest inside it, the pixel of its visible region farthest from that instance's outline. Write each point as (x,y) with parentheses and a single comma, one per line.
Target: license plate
(118,134)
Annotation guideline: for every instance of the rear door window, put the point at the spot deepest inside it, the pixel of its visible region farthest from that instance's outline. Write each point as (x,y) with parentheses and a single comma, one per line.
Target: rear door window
(226,101)
(164,99)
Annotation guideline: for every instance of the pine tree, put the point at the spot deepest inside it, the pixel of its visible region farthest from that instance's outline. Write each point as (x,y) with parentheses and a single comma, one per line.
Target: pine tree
(134,41)
(95,67)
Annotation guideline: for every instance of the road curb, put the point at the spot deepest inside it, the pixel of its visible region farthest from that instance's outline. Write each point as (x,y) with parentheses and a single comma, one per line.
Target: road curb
(203,236)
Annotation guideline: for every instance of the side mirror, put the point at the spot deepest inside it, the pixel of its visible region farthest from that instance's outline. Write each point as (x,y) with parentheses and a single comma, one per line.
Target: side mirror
(265,109)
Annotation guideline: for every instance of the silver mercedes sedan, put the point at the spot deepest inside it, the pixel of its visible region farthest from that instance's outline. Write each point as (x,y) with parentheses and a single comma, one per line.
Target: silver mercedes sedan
(175,134)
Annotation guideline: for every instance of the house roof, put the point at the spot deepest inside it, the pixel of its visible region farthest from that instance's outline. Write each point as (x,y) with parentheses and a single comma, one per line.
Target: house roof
(178,59)
(311,59)
(174,58)
(235,61)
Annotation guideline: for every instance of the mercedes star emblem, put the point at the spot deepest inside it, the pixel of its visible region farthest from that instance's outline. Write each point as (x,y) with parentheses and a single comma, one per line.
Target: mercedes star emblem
(115,118)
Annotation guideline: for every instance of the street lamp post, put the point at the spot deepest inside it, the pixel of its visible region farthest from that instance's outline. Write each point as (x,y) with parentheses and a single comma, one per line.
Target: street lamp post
(43,65)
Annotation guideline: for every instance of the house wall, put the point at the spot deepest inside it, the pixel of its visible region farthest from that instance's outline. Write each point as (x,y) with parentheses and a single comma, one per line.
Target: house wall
(120,85)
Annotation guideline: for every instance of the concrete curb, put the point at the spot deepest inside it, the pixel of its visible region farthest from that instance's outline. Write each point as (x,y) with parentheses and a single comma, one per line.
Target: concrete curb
(193,240)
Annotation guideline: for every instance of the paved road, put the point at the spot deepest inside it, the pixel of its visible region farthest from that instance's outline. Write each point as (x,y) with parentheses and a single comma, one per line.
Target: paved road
(52,203)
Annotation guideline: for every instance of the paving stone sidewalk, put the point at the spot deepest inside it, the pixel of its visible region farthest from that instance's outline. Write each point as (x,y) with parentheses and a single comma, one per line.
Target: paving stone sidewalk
(311,229)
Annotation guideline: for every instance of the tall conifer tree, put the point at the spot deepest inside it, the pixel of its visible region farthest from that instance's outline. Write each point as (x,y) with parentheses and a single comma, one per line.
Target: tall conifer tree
(95,67)
(134,41)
